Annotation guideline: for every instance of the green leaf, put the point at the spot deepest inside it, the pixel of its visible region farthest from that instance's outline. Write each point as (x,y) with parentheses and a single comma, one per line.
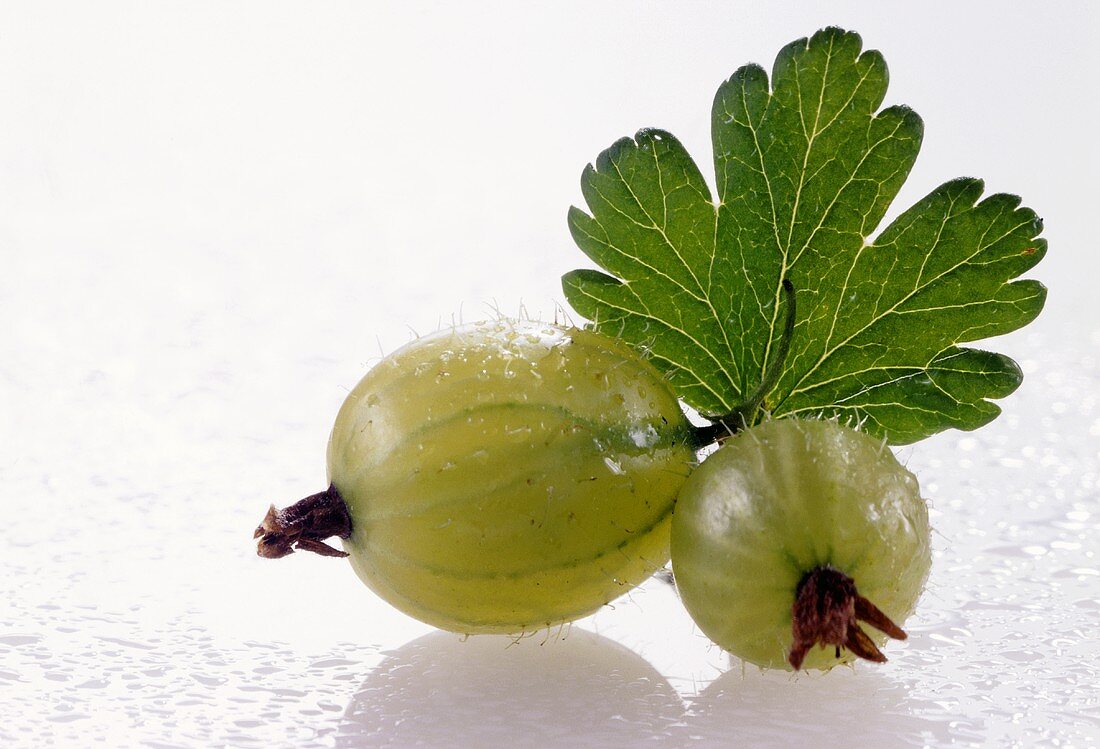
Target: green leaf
(805,169)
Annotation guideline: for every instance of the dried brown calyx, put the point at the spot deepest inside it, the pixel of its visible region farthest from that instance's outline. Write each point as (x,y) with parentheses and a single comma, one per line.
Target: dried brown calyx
(304,525)
(826,611)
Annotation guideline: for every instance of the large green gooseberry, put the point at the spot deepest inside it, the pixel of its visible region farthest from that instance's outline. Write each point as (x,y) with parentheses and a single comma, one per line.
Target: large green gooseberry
(506,476)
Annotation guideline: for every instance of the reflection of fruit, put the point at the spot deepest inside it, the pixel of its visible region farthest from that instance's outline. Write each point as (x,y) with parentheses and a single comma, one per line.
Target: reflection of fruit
(577,690)
(791,515)
(752,708)
(506,476)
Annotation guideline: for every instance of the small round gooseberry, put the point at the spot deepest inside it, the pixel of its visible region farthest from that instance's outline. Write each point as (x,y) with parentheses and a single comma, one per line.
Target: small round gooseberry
(791,532)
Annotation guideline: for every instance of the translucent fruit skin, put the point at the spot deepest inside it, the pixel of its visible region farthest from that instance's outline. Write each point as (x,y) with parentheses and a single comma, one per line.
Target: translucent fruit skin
(507,476)
(778,500)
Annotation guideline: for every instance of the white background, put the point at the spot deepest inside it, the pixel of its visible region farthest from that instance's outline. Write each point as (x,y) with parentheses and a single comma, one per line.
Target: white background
(214,217)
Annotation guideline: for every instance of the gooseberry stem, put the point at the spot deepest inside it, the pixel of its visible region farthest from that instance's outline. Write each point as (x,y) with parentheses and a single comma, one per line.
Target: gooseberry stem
(304,525)
(826,611)
(744,415)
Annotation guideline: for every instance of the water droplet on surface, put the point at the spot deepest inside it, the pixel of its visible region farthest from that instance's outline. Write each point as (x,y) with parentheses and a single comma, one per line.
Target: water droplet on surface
(520,433)
(644,437)
(614,466)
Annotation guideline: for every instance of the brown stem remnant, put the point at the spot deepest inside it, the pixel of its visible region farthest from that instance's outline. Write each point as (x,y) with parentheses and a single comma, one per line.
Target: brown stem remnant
(825,612)
(304,525)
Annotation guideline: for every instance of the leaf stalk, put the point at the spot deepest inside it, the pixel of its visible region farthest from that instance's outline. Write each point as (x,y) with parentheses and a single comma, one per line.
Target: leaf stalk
(746,413)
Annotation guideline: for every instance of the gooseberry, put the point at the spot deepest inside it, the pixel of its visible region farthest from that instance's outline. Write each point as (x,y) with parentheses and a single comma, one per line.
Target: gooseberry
(793,532)
(499,477)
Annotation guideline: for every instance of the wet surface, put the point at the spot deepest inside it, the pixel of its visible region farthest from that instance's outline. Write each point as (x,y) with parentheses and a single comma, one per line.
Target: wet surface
(213,221)
(135,613)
